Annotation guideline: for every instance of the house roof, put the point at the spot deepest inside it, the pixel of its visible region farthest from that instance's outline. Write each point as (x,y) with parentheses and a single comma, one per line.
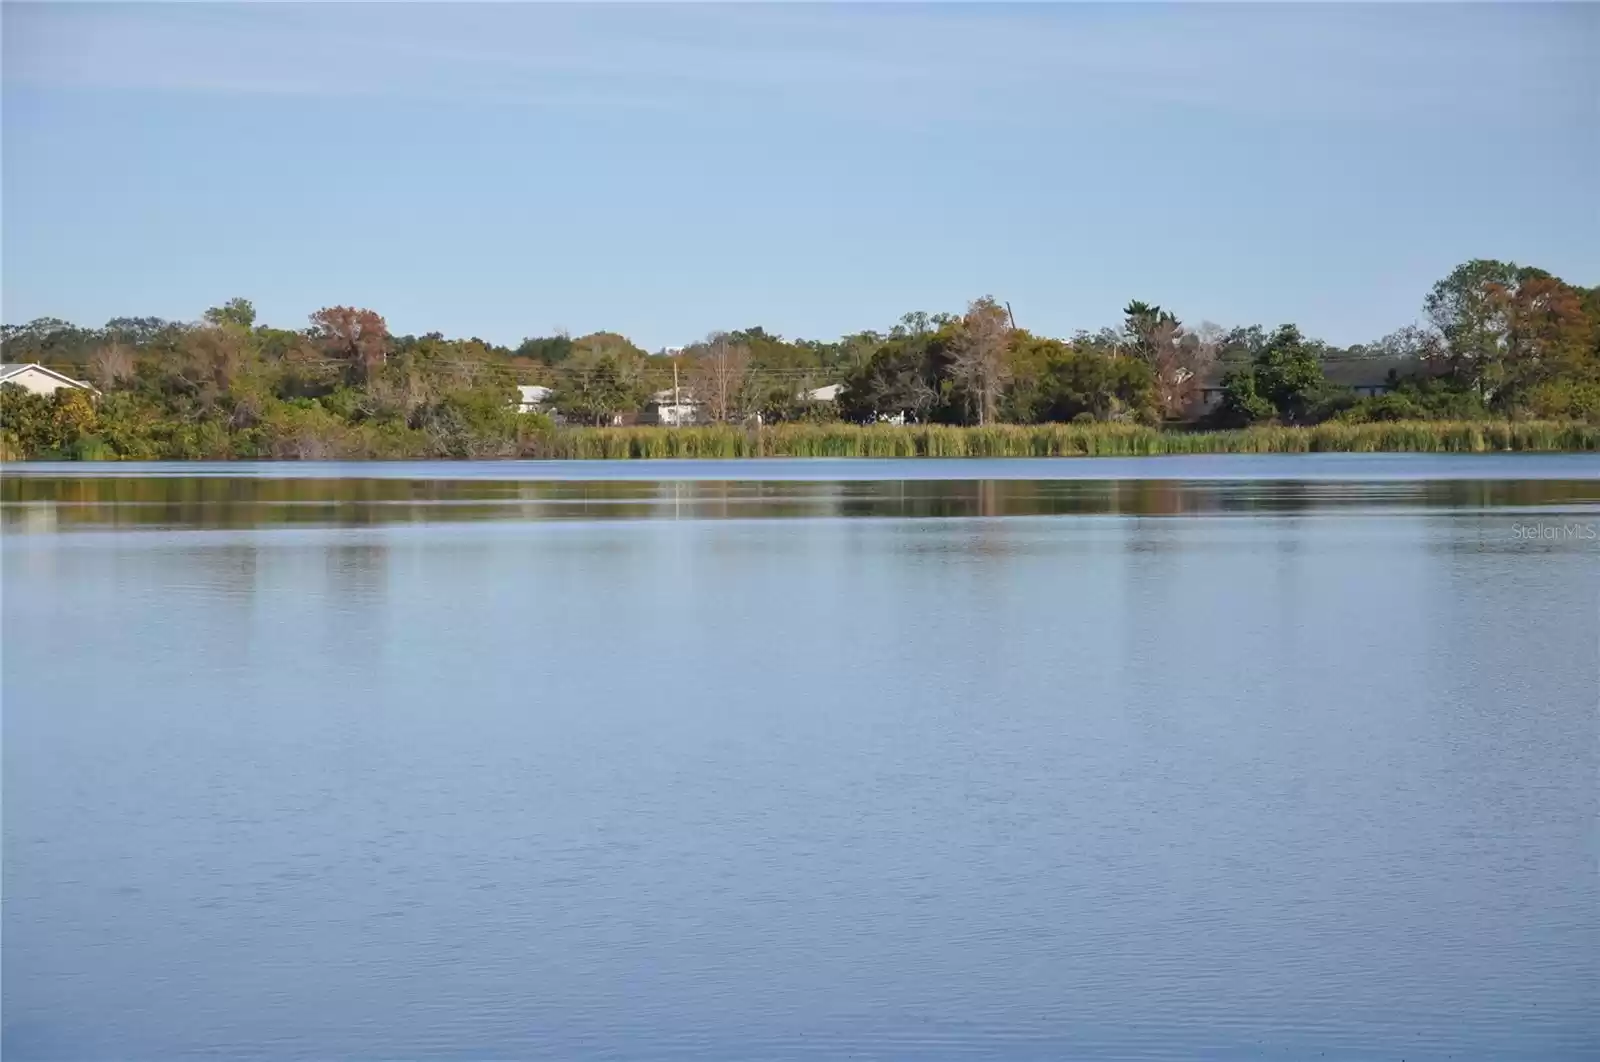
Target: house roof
(1368,372)
(1347,372)
(13,368)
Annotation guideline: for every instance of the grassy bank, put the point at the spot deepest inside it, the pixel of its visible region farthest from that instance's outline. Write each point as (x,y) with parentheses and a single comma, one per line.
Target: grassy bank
(368,442)
(1057,440)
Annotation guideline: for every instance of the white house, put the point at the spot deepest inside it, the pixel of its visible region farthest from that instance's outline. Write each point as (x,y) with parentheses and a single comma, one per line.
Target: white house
(39,380)
(532,398)
(672,409)
(824,394)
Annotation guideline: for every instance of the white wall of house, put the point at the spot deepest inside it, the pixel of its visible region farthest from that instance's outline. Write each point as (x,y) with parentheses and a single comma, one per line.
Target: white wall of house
(39,380)
(531,398)
(684,413)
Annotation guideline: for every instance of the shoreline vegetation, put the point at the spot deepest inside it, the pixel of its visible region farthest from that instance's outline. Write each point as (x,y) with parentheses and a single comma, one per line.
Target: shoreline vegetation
(1509,359)
(1007,440)
(1055,440)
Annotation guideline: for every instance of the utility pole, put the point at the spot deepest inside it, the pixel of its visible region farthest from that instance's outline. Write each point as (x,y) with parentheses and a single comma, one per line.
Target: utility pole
(1012,316)
(677,410)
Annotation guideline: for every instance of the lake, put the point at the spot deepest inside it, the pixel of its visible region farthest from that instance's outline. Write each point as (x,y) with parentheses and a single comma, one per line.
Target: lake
(1168,758)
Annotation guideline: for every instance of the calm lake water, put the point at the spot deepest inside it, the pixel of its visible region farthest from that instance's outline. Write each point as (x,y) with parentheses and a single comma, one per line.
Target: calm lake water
(1172,758)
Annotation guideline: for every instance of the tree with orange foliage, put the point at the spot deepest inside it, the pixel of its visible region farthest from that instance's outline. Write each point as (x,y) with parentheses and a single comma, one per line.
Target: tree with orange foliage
(359,338)
(1510,328)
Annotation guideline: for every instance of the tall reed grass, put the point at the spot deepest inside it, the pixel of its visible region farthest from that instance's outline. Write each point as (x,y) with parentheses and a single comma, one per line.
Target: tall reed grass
(1056,440)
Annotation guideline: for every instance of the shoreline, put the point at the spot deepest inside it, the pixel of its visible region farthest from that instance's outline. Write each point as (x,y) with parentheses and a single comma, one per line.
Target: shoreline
(847,441)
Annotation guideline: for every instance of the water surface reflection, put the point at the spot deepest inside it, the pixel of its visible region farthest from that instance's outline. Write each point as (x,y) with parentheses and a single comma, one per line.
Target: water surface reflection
(380,765)
(86,503)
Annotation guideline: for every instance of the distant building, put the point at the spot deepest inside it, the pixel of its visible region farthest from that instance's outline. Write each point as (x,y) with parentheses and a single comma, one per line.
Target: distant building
(824,394)
(674,409)
(533,398)
(40,380)
(1367,377)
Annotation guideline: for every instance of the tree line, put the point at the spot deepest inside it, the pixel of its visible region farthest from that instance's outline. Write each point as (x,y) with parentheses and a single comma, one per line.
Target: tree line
(1499,341)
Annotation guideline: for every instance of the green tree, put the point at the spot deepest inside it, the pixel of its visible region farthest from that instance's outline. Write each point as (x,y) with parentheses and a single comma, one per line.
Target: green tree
(771,353)
(598,383)
(905,375)
(49,341)
(471,422)
(1289,375)
(1463,308)
(1284,381)
(548,350)
(1242,401)
(25,422)
(240,313)
(54,425)
(1084,386)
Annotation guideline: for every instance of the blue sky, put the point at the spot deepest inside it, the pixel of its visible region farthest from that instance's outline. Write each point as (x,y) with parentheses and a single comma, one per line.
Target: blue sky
(666,170)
